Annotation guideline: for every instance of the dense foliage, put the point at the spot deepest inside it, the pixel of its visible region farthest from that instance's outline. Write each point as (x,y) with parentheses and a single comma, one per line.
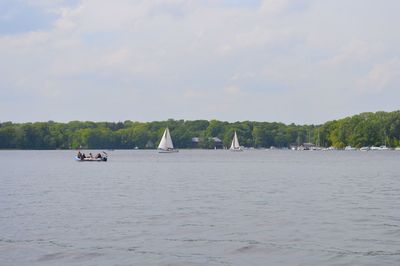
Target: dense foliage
(365,129)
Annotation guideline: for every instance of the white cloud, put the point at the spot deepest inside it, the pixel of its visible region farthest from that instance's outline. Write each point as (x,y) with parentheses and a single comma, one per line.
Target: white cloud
(265,62)
(381,77)
(274,7)
(354,52)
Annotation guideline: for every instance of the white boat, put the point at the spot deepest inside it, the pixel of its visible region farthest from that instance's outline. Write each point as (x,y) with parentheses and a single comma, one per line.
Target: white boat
(380,148)
(349,148)
(235,144)
(166,145)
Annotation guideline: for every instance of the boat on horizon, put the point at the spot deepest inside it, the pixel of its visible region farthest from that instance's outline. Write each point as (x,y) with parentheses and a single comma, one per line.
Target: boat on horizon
(349,148)
(380,148)
(235,144)
(166,145)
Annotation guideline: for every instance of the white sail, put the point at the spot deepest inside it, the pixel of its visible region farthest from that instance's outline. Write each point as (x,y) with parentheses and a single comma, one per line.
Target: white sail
(163,141)
(235,143)
(166,141)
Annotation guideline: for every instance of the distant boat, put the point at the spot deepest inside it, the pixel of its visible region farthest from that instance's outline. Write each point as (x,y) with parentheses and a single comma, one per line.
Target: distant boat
(99,158)
(349,148)
(235,144)
(380,148)
(166,145)
(103,159)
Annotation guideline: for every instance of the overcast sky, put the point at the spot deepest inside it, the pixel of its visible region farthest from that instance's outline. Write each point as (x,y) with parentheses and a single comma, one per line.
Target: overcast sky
(301,61)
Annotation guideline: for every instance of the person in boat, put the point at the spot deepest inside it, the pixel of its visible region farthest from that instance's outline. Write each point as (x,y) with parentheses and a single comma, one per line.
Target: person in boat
(90,155)
(79,155)
(98,156)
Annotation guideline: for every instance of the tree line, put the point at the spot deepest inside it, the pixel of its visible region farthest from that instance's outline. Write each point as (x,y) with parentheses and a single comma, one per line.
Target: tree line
(365,129)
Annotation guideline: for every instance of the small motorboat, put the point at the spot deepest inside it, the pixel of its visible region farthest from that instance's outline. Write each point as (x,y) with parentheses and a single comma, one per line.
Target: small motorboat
(98,158)
(102,159)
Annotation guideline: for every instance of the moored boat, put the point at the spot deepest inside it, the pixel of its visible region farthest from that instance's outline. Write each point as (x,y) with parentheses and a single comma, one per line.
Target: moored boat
(349,148)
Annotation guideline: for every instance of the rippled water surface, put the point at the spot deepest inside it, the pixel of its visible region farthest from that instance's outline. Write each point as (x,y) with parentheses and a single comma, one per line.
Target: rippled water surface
(200,208)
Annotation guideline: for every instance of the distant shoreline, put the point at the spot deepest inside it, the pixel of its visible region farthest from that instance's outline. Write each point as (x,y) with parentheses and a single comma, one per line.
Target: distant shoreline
(362,130)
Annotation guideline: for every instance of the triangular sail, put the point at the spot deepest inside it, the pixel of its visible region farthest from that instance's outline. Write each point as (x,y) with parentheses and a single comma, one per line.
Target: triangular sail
(163,141)
(166,141)
(235,143)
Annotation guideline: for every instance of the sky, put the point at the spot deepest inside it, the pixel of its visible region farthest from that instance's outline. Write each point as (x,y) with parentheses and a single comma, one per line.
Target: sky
(291,61)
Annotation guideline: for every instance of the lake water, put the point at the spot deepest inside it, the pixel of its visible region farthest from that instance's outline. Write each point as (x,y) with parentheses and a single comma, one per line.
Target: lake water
(200,208)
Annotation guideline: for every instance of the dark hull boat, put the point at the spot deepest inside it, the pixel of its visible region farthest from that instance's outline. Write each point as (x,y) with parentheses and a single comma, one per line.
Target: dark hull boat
(103,159)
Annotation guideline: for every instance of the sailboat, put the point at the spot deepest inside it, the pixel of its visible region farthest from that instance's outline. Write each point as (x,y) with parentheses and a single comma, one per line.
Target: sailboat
(235,144)
(166,145)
